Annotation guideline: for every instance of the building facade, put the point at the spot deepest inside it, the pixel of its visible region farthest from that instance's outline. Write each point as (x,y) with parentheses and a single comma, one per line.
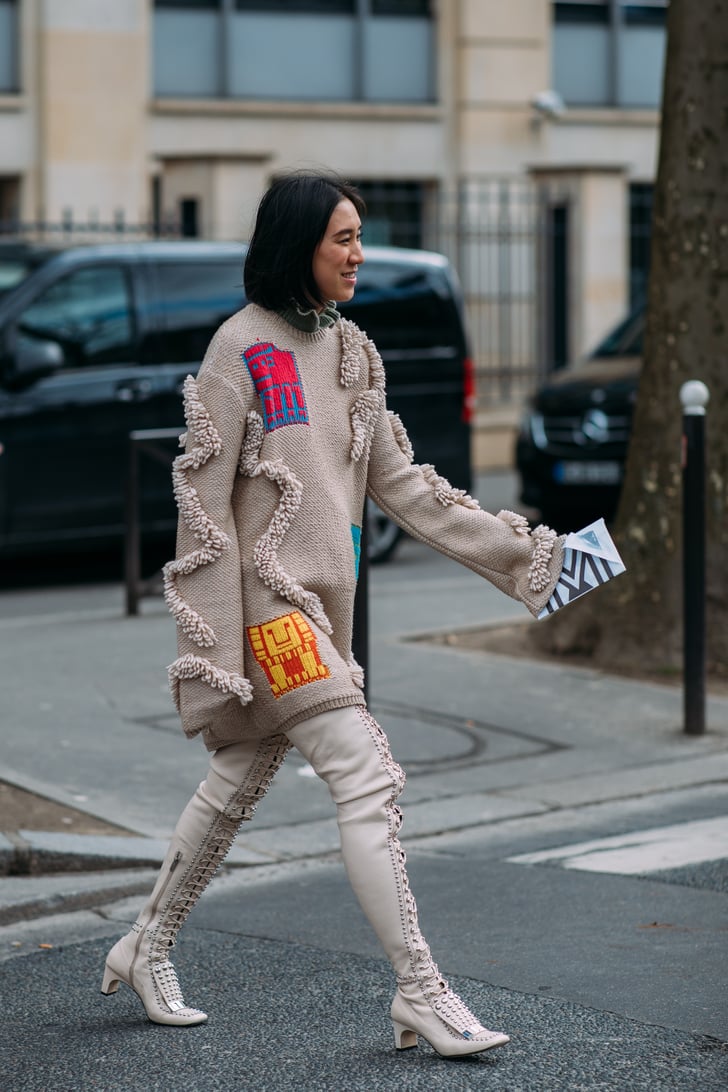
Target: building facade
(519,137)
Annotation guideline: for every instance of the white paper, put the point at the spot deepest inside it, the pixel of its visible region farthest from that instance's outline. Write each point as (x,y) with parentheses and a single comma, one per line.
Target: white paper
(594,539)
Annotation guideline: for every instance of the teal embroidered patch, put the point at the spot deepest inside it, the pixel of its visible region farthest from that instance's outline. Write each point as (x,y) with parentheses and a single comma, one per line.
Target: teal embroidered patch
(356,539)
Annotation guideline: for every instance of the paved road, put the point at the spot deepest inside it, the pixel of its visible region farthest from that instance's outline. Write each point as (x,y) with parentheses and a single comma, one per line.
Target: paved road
(520,778)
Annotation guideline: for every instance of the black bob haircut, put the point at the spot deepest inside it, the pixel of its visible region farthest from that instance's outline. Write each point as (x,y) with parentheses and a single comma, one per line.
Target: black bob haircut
(292,219)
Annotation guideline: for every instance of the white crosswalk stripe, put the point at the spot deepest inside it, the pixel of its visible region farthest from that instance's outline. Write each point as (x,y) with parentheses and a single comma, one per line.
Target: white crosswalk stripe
(642,851)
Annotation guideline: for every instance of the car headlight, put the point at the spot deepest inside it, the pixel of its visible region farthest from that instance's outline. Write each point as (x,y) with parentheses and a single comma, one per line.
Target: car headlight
(533,429)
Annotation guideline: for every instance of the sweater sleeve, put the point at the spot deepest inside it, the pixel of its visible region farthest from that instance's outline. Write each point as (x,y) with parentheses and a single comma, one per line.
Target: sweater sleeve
(522,563)
(202,585)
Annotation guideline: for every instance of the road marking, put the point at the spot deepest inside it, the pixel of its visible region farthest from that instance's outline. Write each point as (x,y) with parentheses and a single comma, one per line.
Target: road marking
(642,851)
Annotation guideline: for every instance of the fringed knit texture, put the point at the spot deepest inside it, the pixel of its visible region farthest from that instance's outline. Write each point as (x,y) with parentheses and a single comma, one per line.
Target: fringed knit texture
(377,375)
(211,538)
(265,552)
(366,408)
(538,571)
(364,414)
(350,353)
(400,435)
(252,442)
(357,672)
(196,667)
(515,520)
(445,493)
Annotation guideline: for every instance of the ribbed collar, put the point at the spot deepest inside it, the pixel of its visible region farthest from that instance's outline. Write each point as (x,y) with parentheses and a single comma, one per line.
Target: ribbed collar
(310,322)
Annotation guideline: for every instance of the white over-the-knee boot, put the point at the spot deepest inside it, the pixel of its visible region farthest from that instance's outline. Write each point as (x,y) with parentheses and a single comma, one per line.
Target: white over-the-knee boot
(349,750)
(238,778)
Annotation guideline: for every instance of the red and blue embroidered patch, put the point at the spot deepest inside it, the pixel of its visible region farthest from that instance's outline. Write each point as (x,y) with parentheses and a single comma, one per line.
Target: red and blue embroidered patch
(278,385)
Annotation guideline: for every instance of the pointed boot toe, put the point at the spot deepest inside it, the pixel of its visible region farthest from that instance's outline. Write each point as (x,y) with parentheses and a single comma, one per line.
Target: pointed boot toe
(154,982)
(446,1023)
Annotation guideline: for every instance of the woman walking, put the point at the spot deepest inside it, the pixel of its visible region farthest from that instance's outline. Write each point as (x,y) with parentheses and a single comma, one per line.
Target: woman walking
(288,431)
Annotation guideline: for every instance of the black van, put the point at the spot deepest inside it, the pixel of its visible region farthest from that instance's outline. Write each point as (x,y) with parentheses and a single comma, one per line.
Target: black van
(95,341)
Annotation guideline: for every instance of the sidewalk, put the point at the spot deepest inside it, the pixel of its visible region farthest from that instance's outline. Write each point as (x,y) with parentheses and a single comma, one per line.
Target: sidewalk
(483,738)
(603,982)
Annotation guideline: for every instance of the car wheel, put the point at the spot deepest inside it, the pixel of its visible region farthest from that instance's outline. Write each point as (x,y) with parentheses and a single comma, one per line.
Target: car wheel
(382,534)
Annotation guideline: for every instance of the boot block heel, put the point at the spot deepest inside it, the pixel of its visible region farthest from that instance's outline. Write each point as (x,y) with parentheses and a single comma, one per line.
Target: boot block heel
(404,1037)
(110,983)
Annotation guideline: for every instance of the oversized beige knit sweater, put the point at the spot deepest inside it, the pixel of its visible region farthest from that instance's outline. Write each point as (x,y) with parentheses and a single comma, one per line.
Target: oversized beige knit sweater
(286,433)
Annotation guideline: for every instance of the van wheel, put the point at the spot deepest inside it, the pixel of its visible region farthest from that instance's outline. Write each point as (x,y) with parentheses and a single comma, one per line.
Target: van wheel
(382,534)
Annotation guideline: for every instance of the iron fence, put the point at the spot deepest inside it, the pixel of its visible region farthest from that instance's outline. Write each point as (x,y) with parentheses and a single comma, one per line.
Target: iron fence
(69,229)
(509,240)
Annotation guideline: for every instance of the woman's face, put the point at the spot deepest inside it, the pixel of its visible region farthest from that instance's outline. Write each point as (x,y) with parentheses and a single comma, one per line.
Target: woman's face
(339,254)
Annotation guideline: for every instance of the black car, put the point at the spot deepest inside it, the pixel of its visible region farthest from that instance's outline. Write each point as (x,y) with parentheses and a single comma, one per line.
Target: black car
(572,445)
(95,341)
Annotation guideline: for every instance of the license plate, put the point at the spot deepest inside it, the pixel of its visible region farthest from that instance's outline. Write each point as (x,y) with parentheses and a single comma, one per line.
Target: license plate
(588,473)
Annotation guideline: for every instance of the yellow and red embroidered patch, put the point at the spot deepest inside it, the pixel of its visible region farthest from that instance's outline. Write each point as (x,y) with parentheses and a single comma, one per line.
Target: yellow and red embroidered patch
(286,649)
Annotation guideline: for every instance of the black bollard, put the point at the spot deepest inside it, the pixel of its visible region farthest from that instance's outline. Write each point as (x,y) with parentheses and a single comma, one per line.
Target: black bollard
(694,397)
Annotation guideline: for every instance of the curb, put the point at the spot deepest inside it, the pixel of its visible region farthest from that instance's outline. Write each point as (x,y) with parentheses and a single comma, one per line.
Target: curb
(38,853)
(23,903)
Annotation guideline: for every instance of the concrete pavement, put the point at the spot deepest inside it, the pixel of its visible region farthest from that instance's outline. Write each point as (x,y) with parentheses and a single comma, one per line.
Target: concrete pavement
(484,738)
(494,748)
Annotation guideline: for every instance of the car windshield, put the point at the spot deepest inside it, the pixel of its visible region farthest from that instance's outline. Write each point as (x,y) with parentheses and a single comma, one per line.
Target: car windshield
(625,340)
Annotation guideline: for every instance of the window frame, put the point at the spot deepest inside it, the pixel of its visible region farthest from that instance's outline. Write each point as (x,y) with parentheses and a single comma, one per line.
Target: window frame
(615,16)
(364,13)
(11,85)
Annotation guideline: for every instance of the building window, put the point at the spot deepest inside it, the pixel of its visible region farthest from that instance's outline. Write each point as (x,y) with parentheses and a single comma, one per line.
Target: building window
(9,204)
(186,48)
(301,50)
(641,195)
(189,217)
(9,78)
(609,52)
(395,213)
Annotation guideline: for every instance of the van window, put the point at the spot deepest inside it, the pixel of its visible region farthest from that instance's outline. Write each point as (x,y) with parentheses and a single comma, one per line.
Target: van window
(193,299)
(12,272)
(403,306)
(88,312)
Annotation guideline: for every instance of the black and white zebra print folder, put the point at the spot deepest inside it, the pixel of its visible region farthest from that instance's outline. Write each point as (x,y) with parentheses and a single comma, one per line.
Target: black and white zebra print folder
(590,559)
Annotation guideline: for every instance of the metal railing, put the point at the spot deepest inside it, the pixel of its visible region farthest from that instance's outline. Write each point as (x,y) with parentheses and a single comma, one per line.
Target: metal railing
(510,240)
(69,229)
(151,443)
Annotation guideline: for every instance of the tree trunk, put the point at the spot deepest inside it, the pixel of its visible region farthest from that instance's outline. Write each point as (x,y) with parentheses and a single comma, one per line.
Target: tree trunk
(637,618)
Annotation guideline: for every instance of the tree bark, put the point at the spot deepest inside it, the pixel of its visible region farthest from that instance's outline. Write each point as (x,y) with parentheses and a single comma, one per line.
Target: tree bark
(637,618)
